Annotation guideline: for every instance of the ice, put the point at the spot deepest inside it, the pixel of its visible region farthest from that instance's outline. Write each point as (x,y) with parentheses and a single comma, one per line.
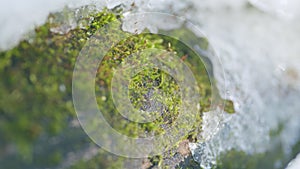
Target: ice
(256,49)
(68,19)
(136,23)
(295,164)
(288,9)
(18,17)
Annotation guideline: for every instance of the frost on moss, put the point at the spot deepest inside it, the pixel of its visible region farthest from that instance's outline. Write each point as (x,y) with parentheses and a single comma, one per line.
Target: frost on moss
(36,83)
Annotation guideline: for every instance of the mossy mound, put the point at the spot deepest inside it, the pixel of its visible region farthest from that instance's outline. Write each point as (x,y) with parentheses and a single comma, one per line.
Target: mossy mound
(36,85)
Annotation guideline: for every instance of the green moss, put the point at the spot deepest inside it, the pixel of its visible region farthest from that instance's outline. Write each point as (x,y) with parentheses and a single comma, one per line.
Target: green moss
(273,158)
(33,72)
(103,160)
(241,160)
(36,88)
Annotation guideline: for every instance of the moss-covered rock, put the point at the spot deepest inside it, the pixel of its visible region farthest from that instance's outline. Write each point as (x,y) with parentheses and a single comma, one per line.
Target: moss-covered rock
(36,86)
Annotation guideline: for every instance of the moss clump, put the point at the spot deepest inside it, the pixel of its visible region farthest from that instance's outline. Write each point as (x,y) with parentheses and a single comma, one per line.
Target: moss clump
(36,83)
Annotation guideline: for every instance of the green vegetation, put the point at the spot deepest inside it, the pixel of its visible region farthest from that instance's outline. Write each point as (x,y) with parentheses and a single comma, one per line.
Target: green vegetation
(36,86)
(275,157)
(234,159)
